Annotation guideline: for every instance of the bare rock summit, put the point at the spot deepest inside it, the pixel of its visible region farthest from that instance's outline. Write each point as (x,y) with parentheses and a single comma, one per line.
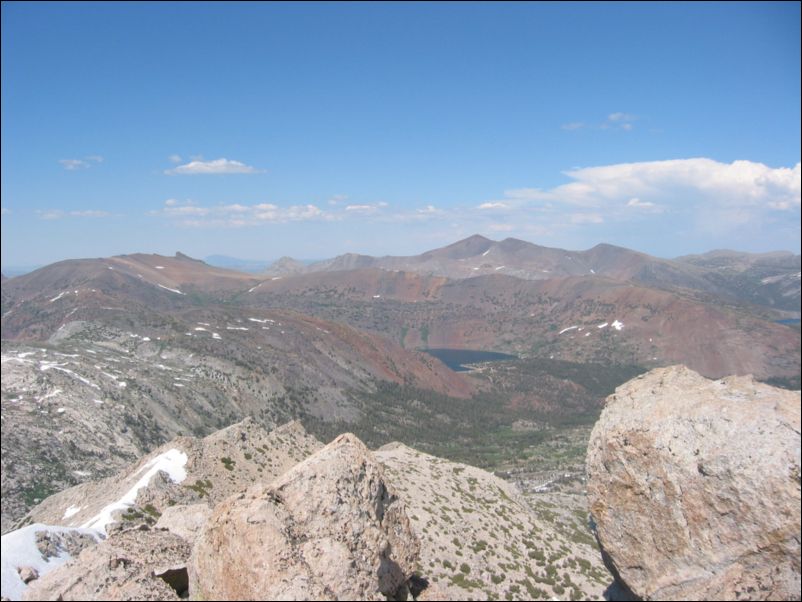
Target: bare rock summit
(694,486)
(330,528)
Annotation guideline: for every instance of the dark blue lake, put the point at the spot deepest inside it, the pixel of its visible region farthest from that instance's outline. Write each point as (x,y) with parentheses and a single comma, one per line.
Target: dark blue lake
(457,358)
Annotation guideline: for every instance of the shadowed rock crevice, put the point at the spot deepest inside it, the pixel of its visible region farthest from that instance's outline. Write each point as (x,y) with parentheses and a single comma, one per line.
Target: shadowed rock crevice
(177,578)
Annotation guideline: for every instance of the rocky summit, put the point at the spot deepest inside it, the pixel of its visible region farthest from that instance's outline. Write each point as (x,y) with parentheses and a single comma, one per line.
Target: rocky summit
(694,486)
(329,529)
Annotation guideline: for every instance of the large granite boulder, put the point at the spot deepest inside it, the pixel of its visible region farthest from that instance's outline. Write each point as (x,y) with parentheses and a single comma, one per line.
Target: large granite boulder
(694,486)
(330,528)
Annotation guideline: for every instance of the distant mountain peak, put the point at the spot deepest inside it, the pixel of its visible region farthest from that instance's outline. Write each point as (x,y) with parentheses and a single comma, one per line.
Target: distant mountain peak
(181,256)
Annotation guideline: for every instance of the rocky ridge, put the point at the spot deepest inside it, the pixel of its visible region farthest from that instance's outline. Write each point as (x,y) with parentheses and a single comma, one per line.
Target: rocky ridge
(342,523)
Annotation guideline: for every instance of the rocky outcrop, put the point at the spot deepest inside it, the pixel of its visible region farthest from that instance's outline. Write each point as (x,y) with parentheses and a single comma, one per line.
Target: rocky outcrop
(209,470)
(184,521)
(330,528)
(131,565)
(694,486)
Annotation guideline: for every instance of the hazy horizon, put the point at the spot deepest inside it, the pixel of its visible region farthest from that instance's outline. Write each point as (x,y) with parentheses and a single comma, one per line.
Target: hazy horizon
(312,130)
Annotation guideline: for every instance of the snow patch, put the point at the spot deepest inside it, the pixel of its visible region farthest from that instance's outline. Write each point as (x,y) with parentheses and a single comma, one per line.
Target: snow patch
(172,462)
(567,329)
(501,267)
(486,252)
(172,290)
(19,550)
(604,325)
(236,328)
(72,510)
(59,296)
(159,267)
(618,325)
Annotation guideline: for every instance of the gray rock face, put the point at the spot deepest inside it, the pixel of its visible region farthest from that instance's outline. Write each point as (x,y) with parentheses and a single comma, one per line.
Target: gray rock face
(330,528)
(695,487)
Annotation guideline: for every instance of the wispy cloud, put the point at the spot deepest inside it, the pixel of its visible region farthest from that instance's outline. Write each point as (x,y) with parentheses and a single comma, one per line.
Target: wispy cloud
(214,167)
(4,210)
(236,215)
(53,214)
(76,164)
(586,218)
(493,205)
(175,159)
(337,199)
(644,205)
(366,209)
(614,121)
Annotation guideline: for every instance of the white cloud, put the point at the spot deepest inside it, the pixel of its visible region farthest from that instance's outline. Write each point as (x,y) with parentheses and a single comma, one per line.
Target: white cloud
(53,214)
(429,210)
(338,198)
(76,164)
(214,167)
(174,159)
(367,209)
(644,205)
(494,205)
(620,117)
(90,213)
(235,215)
(614,121)
(73,164)
(4,210)
(740,183)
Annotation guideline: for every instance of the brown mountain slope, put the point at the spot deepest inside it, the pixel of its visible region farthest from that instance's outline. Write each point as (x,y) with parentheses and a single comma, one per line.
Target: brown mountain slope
(565,318)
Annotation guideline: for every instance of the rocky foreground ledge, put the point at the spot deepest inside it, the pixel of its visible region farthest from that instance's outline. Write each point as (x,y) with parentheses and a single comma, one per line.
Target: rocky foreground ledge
(694,489)
(694,486)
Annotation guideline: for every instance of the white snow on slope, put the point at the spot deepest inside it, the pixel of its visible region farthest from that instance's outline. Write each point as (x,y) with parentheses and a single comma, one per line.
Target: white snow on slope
(59,296)
(19,550)
(619,325)
(172,462)
(603,325)
(172,290)
(567,329)
(486,252)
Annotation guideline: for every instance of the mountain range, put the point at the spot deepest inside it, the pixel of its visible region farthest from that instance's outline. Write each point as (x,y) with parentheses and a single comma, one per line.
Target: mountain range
(105,359)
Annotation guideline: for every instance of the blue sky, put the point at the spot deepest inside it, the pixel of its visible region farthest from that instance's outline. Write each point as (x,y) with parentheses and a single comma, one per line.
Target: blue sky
(261,130)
